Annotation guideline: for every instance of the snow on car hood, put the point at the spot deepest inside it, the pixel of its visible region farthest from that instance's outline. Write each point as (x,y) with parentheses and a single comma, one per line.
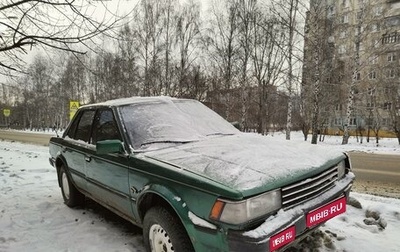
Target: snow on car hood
(246,161)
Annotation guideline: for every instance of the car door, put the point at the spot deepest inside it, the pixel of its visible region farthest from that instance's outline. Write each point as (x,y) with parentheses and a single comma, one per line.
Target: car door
(76,143)
(107,175)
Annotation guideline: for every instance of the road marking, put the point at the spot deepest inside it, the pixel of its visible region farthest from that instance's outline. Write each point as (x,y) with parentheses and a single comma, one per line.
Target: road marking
(377,172)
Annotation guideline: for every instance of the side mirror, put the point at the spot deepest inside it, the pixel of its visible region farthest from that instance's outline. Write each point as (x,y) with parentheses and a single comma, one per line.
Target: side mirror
(109,146)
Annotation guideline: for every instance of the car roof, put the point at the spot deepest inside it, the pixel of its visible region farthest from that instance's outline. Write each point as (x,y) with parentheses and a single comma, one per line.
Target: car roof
(132,100)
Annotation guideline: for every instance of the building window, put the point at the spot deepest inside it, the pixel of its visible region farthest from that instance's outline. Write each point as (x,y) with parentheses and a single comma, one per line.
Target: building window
(342,49)
(359,16)
(372,75)
(373,59)
(328,79)
(390,38)
(375,27)
(387,106)
(338,107)
(370,105)
(356,31)
(378,10)
(358,76)
(338,121)
(392,21)
(331,11)
(360,47)
(391,73)
(388,90)
(376,43)
(391,57)
(345,19)
(371,91)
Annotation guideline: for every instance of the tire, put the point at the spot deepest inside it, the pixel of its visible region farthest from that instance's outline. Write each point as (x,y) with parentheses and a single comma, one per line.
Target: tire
(72,197)
(163,232)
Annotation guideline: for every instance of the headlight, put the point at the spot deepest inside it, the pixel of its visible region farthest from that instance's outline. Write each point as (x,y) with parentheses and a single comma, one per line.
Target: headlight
(341,168)
(237,212)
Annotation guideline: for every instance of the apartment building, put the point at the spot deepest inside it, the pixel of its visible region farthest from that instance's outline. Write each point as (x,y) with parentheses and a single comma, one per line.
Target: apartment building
(352,49)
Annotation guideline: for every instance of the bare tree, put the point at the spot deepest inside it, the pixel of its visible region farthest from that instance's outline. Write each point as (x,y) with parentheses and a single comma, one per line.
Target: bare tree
(35,92)
(246,12)
(384,103)
(129,69)
(73,79)
(318,59)
(62,25)
(148,29)
(223,48)
(187,38)
(267,57)
(169,18)
(393,97)
(289,13)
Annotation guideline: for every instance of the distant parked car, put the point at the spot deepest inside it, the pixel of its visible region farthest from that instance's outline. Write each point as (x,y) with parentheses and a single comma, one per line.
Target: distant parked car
(194,182)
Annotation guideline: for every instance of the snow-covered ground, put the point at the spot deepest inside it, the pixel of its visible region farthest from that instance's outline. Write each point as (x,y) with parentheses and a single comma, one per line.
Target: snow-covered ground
(385,145)
(34,218)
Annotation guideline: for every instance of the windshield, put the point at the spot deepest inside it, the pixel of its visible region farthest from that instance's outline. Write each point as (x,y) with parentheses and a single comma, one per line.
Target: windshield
(171,121)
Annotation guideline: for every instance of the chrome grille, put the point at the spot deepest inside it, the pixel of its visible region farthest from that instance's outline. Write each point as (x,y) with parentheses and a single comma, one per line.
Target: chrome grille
(299,192)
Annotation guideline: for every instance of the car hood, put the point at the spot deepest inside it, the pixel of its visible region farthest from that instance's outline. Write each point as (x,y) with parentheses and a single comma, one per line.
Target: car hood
(249,163)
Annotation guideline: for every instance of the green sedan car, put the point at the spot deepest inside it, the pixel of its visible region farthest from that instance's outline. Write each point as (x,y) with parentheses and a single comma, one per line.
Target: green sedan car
(194,182)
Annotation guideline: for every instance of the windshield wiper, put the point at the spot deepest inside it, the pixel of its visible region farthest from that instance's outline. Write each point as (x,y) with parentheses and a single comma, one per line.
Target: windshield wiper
(166,141)
(220,134)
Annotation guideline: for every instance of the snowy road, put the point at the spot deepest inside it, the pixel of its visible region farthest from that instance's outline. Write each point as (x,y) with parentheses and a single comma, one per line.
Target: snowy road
(376,167)
(26,137)
(33,217)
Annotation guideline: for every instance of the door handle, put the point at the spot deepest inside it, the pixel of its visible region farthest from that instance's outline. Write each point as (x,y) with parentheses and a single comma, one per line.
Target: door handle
(88,159)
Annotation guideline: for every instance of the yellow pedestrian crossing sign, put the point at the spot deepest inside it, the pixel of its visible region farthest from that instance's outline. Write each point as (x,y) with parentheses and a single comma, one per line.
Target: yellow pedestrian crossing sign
(73,107)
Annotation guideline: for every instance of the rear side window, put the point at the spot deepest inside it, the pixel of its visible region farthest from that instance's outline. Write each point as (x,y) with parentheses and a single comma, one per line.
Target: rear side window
(84,126)
(72,129)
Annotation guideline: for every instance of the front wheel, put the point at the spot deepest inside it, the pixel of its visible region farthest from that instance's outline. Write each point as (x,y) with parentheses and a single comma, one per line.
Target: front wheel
(72,197)
(163,232)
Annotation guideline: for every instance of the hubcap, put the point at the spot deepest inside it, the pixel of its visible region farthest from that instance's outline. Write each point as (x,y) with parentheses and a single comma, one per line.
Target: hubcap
(65,185)
(159,239)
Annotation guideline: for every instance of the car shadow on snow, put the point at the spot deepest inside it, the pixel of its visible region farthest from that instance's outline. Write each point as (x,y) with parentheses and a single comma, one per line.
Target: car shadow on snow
(103,215)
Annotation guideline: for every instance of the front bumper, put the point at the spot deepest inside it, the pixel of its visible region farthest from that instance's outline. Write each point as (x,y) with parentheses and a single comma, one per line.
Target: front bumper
(294,219)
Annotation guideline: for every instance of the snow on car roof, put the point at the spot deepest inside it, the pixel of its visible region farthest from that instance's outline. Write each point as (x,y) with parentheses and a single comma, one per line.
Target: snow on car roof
(132,100)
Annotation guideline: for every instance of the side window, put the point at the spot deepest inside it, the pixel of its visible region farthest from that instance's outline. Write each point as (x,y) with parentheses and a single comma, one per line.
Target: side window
(72,129)
(84,126)
(105,127)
